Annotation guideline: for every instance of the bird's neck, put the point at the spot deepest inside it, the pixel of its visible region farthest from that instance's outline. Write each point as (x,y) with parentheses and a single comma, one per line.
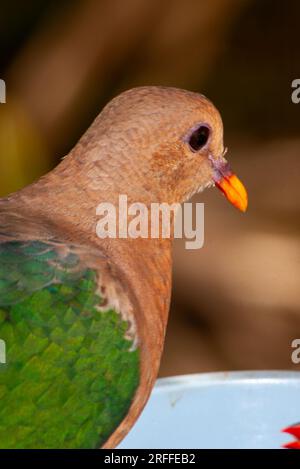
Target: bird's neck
(68,198)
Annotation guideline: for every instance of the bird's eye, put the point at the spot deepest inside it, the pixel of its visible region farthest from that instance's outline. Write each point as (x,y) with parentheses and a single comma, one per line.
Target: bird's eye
(199,138)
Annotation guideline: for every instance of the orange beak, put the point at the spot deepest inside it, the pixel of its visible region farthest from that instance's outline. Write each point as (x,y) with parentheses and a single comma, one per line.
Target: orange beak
(233,189)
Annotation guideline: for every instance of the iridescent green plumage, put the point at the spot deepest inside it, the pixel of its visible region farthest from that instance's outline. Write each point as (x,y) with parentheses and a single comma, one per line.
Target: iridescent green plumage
(70,373)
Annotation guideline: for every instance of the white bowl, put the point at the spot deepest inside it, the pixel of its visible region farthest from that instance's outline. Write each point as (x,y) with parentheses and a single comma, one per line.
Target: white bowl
(219,410)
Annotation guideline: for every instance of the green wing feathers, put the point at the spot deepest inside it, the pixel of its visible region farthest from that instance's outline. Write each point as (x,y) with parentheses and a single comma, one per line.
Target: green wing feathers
(70,373)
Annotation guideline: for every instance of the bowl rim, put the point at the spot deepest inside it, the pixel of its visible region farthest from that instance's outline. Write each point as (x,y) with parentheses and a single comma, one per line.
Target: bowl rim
(253,377)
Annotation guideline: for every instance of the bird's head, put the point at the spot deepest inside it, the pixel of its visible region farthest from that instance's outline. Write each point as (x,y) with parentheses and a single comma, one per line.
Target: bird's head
(169,141)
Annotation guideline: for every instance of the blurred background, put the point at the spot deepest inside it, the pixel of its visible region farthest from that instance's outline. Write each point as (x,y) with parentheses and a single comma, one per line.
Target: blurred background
(236,302)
